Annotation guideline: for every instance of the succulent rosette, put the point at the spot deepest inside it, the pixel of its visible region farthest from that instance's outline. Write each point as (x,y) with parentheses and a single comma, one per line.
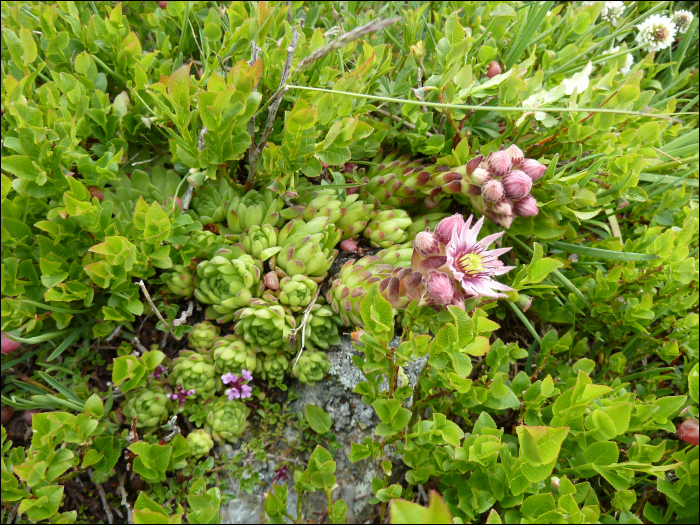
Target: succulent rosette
(227,282)
(226,420)
(306,248)
(274,367)
(388,227)
(195,371)
(150,406)
(449,266)
(200,443)
(203,335)
(232,355)
(397,255)
(311,367)
(209,203)
(208,243)
(296,292)
(257,239)
(265,327)
(253,209)
(322,327)
(179,281)
(350,285)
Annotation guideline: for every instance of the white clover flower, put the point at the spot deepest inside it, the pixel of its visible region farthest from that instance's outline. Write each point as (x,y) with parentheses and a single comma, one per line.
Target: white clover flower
(656,33)
(629,59)
(612,11)
(579,82)
(682,19)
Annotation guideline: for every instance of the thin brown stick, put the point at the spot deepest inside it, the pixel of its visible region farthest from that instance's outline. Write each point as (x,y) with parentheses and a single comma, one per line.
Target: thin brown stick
(103,498)
(155,310)
(125,503)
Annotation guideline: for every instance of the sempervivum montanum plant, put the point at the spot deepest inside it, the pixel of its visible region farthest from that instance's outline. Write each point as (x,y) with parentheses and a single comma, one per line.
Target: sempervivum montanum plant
(195,371)
(312,366)
(208,243)
(265,327)
(499,186)
(203,335)
(256,239)
(252,209)
(209,203)
(200,443)
(232,355)
(322,326)
(274,367)
(179,281)
(227,282)
(150,406)
(353,280)
(226,419)
(388,227)
(449,266)
(306,248)
(296,292)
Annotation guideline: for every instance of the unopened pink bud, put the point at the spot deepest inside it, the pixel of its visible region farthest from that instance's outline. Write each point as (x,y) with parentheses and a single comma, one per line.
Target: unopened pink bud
(506,220)
(440,287)
(534,169)
(272,281)
(493,69)
(8,345)
(492,191)
(427,243)
(169,202)
(349,167)
(516,155)
(517,184)
(458,300)
(526,207)
(503,207)
(348,245)
(499,163)
(481,176)
(447,225)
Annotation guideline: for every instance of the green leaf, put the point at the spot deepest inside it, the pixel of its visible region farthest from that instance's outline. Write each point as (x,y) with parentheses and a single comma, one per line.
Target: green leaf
(598,253)
(535,506)
(21,166)
(540,445)
(319,421)
(28,45)
(602,453)
(179,87)
(693,383)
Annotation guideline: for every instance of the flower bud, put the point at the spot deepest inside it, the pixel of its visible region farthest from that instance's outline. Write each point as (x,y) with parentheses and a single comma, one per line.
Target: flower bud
(499,163)
(418,51)
(272,281)
(493,69)
(8,345)
(534,169)
(444,230)
(517,184)
(458,300)
(440,287)
(348,245)
(526,207)
(96,192)
(492,191)
(481,176)
(516,155)
(7,414)
(427,243)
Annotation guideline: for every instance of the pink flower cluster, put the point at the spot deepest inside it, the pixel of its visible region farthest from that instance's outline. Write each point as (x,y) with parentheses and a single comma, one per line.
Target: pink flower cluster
(180,395)
(504,180)
(239,389)
(447,266)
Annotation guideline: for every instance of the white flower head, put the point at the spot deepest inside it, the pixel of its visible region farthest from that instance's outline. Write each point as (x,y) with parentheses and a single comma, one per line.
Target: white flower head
(579,82)
(629,59)
(682,19)
(612,11)
(656,33)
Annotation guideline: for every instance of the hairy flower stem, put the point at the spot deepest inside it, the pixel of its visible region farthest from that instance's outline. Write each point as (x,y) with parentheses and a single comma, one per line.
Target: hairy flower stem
(155,310)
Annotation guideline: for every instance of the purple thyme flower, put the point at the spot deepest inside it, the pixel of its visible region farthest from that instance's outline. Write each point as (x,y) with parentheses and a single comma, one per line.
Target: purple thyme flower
(180,395)
(238,390)
(247,376)
(472,265)
(159,371)
(228,377)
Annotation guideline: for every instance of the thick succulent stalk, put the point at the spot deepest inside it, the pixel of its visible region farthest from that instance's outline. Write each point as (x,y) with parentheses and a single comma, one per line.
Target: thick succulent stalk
(395,182)
(388,227)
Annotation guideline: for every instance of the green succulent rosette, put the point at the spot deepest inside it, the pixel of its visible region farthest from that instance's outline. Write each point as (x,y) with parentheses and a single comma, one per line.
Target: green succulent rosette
(306,248)
(311,367)
(354,279)
(207,243)
(253,209)
(150,406)
(195,371)
(231,354)
(203,335)
(209,203)
(322,327)
(179,281)
(200,443)
(398,255)
(296,292)
(388,227)
(256,240)
(265,327)
(226,420)
(227,282)
(274,367)
(354,214)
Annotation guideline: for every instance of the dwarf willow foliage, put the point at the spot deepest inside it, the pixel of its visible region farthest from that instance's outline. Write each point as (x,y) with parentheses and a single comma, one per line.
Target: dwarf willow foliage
(164,161)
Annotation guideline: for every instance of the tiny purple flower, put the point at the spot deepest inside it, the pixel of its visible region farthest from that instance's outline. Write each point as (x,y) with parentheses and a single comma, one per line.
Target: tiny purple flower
(246,391)
(158,372)
(233,393)
(228,377)
(246,375)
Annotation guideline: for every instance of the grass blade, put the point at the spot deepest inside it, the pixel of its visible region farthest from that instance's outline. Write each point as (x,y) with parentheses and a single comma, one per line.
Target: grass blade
(602,254)
(525,34)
